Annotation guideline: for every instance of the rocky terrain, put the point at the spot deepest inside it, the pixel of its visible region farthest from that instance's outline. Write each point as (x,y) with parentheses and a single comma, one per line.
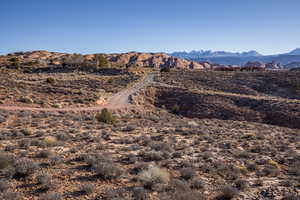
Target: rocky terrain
(188,134)
(60,89)
(130,59)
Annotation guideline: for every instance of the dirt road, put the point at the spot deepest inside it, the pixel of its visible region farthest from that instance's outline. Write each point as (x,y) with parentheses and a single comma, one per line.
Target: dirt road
(117,101)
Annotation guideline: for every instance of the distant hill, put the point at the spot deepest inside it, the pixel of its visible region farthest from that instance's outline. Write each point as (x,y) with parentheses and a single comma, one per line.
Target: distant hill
(294,52)
(292,65)
(209,54)
(229,58)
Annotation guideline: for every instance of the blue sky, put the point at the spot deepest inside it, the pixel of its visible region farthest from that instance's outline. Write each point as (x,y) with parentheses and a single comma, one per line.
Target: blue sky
(90,26)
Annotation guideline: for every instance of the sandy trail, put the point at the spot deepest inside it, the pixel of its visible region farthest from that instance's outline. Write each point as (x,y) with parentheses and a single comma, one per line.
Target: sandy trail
(119,100)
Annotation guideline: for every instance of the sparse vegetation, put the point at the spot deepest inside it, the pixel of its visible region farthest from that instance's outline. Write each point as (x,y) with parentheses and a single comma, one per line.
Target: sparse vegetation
(152,152)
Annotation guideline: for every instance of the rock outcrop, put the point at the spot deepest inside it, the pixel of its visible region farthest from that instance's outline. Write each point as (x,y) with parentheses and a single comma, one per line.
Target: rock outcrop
(155,60)
(273,66)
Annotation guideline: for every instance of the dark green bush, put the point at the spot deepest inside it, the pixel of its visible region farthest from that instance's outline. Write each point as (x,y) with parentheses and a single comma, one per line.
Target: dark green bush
(165,69)
(50,80)
(106,117)
(101,61)
(175,109)
(15,62)
(6,160)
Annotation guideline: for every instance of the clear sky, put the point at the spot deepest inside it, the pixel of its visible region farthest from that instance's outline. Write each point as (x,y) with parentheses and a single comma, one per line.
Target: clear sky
(90,26)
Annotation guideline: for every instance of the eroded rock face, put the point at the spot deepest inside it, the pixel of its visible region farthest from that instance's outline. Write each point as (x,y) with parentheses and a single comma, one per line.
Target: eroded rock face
(154,60)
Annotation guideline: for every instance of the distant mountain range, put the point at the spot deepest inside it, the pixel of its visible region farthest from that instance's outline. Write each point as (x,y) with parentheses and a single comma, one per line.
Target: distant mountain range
(232,58)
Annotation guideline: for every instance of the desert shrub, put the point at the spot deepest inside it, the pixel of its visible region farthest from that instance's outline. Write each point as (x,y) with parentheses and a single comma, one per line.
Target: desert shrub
(197,184)
(25,143)
(43,178)
(73,60)
(177,184)
(50,141)
(244,154)
(51,196)
(110,81)
(107,170)
(269,170)
(24,167)
(139,193)
(106,117)
(227,193)
(10,148)
(175,109)
(154,175)
(182,195)
(129,128)
(114,194)
(165,69)
(251,166)
(258,182)
(45,181)
(130,158)
(45,153)
(27,131)
(93,158)
(153,155)
(27,100)
(86,188)
(56,105)
(62,136)
(38,143)
(177,154)
(55,160)
(187,173)
(138,167)
(102,166)
(101,61)
(4,185)
(241,184)
(180,190)
(15,62)
(160,146)
(6,160)
(50,80)
(14,59)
